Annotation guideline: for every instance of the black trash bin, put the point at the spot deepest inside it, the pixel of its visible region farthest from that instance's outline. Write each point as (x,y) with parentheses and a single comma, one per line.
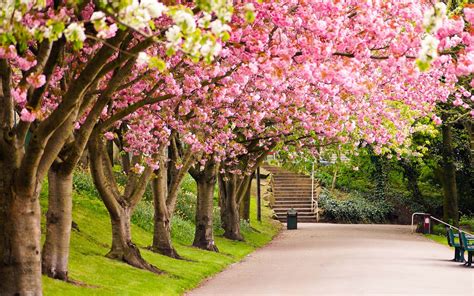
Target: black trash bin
(292,219)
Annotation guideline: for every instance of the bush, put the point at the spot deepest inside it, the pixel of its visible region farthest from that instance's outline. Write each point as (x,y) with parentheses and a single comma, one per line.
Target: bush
(82,183)
(467,223)
(187,199)
(143,215)
(354,210)
(438,229)
(181,229)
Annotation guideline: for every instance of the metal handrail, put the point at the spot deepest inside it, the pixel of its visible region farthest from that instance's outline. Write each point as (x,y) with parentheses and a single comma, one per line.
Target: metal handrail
(436,219)
(314,201)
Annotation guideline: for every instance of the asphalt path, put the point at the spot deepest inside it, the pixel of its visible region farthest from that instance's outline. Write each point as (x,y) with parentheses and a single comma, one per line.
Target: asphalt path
(335,259)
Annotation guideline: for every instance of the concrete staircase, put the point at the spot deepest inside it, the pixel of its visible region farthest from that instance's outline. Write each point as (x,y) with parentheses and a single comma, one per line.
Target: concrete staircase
(291,190)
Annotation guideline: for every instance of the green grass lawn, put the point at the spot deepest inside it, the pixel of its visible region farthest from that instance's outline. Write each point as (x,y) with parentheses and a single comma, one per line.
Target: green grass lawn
(441,239)
(102,276)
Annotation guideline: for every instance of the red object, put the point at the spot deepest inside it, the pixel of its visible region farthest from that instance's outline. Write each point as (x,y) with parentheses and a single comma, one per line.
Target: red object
(426,224)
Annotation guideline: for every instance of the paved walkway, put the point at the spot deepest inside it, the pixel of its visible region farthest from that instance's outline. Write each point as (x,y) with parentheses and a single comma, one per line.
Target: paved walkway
(331,259)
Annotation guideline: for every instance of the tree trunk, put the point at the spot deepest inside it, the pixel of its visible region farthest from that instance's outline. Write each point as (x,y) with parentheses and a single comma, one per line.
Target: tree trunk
(162,228)
(58,225)
(20,233)
(123,249)
(206,181)
(120,207)
(229,204)
(450,205)
(245,205)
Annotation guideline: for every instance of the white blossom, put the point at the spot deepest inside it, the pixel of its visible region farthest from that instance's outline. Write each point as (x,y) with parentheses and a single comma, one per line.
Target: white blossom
(173,35)
(97,15)
(142,59)
(185,21)
(155,8)
(217,27)
(75,32)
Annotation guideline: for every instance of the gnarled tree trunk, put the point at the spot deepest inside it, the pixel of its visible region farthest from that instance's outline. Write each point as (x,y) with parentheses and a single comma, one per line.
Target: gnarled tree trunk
(123,249)
(230,204)
(162,220)
(206,181)
(58,224)
(119,206)
(165,193)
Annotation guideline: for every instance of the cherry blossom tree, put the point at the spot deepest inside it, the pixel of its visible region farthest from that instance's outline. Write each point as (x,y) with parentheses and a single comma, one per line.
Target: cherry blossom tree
(53,55)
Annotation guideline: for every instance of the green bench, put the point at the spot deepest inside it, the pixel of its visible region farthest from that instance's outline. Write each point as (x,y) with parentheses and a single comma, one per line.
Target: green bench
(461,243)
(453,241)
(467,244)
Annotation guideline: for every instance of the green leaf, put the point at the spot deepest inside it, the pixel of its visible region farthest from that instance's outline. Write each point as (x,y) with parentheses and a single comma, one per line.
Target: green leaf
(423,65)
(157,63)
(249,16)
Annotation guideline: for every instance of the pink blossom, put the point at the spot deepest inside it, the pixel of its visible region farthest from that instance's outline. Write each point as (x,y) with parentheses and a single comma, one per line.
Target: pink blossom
(458,102)
(469,14)
(109,136)
(19,95)
(138,168)
(8,53)
(25,64)
(36,80)
(27,116)
(436,119)
(108,32)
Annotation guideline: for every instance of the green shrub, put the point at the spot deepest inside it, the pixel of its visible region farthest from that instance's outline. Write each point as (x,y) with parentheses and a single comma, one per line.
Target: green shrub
(143,215)
(217,222)
(467,223)
(182,230)
(354,210)
(438,229)
(83,184)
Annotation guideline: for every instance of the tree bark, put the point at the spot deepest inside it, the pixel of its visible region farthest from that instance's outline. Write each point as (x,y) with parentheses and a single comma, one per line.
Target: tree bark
(123,249)
(162,228)
(450,204)
(229,203)
(20,233)
(245,204)
(58,224)
(206,182)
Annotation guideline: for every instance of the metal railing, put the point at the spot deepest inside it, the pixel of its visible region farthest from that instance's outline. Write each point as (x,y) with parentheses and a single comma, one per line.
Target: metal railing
(314,201)
(436,219)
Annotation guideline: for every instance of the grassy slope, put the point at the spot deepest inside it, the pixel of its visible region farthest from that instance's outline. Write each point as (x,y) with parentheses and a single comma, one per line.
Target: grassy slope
(107,277)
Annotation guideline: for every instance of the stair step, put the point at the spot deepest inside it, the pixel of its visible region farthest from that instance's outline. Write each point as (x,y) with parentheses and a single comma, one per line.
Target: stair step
(292,205)
(301,212)
(305,219)
(292,190)
(293,199)
(300,195)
